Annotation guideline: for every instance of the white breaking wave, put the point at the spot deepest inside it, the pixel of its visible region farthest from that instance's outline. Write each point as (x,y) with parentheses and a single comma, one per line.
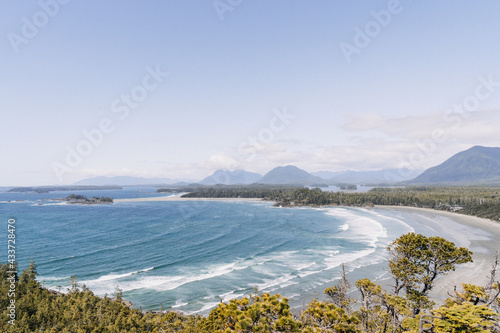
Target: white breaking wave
(267,286)
(345,258)
(390,218)
(120,276)
(179,303)
(49,279)
(108,283)
(360,227)
(331,259)
(344,227)
(230,295)
(294,263)
(50,204)
(275,270)
(206,307)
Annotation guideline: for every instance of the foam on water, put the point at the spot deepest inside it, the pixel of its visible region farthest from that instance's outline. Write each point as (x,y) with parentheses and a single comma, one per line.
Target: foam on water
(119,276)
(108,283)
(64,203)
(50,279)
(179,304)
(398,220)
(360,227)
(157,253)
(344,227)
(204,308)
(347,258)
(269,284)
(231,295)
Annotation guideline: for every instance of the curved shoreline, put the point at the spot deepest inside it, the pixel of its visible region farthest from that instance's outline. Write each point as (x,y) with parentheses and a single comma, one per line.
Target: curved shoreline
(484,243)
(179,198)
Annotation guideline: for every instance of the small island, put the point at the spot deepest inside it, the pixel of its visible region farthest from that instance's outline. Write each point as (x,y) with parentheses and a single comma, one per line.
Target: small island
(83,200)
(348,187)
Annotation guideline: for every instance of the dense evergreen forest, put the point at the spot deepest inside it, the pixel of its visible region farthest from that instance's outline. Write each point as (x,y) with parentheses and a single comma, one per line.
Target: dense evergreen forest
(83,200)
(414,263)
(233,191)
(478,201)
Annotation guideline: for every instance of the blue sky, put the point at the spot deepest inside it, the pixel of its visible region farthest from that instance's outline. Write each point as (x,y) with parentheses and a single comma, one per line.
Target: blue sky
(250,84)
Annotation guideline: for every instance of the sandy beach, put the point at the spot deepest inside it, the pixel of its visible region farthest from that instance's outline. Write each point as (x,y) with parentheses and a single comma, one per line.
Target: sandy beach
(481,236)
(178,198)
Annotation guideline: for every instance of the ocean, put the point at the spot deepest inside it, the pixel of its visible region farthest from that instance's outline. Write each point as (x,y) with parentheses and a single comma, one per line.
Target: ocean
(190,255)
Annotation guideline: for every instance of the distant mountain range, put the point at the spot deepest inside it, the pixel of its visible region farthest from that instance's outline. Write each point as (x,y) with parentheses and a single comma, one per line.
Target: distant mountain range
(126,181)
(287,175)
(227,177)
(291,175)
(475,166)
(361,177)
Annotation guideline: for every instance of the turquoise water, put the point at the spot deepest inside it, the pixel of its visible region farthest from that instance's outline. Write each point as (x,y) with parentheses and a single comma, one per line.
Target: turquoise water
(190,255)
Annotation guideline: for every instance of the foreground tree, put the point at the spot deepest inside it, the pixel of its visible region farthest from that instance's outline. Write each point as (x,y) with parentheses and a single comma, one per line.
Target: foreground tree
(416,261)
(258,313)
(338,293)
(465,317)
(327,317)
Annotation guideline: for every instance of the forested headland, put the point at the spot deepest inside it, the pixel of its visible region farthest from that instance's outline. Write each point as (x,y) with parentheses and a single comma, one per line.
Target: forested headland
(480,201)
(83,200)
(415,261)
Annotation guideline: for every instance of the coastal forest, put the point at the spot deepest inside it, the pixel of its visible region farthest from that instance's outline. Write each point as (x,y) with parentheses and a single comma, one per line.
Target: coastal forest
(414,262)
(480,201)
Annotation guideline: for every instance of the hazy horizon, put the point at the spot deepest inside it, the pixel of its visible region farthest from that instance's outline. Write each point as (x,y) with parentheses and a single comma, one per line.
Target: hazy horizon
(181,89)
